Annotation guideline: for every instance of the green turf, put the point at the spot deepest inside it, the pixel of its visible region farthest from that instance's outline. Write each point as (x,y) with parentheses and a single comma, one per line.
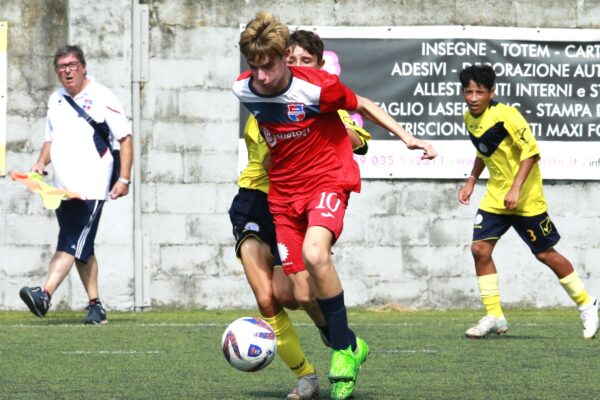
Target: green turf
(177,355)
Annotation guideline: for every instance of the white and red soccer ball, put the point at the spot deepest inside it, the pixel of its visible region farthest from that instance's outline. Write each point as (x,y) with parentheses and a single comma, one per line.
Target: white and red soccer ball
(249,344)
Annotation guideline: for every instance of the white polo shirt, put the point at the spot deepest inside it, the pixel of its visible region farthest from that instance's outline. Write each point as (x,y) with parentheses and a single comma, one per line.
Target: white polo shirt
(77,165)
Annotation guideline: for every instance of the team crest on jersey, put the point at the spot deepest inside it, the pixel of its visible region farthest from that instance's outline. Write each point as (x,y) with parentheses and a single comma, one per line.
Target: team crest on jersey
(87,104)
(296,112)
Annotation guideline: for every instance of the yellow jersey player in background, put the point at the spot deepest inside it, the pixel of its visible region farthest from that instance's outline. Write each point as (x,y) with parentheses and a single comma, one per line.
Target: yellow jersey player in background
(514,198)
(256,245)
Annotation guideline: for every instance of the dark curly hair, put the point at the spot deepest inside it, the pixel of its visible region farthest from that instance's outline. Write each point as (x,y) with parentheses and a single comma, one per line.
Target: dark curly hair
(309,41)
(480,74)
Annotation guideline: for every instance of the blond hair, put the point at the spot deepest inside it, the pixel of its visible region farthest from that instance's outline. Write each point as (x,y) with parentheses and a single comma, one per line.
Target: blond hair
(264,36)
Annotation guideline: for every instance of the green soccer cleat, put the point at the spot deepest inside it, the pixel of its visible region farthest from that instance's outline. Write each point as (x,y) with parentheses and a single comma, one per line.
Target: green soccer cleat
(343,372)
(342,390)
(361,352)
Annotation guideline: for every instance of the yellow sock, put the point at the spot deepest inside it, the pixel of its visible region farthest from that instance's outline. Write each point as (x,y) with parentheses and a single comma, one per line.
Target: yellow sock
(288,344)
(574,288)
(490,294)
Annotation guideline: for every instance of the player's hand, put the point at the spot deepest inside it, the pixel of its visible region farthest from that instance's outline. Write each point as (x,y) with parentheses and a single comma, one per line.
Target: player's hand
(429,152)
(465,192)
(511,199)
(118,190)
(39,168)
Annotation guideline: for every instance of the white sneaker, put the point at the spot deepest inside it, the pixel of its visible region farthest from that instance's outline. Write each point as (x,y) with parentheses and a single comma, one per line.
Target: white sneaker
(307,389)
(589,315)
(488,325)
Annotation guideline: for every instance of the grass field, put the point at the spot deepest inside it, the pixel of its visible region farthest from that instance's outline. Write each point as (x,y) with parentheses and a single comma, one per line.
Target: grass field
(177,355)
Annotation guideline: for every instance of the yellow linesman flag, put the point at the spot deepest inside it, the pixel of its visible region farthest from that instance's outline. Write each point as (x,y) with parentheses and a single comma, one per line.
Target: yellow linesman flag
(3,33)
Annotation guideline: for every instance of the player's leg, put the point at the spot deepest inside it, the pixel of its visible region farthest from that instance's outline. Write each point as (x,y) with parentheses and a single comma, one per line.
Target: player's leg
(89,213)
(541,235)
(257,261)
(258,265)
(256,248)
(78,223)
(88,273)
(488,228)
(348,351)
(283,289)
(38,298)
(328,288)
(304,294)
(325,222)
(59,268)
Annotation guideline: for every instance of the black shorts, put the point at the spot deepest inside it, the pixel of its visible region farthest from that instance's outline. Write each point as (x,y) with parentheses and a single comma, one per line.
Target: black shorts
(538,231)
(250,216)
(78,222)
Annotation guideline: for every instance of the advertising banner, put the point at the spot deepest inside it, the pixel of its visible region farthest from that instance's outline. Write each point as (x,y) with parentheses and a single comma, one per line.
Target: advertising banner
(550,75)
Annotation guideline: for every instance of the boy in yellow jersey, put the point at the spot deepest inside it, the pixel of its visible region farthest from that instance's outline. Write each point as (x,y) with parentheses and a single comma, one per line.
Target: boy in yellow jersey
(256,246)
(514,198)
(307,51)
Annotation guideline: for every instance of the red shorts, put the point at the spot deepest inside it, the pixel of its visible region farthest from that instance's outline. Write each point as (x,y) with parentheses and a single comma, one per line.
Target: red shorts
(292,220)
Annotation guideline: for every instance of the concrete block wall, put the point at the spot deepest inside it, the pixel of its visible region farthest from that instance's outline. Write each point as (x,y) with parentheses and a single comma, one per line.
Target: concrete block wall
(405,241)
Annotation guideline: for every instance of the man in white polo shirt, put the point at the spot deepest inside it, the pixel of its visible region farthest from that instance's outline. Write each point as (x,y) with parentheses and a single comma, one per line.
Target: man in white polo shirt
(79,148)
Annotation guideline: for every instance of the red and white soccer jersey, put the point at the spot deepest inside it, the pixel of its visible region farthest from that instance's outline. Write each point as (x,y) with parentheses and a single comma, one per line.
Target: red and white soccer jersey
(310,148)
(313,169)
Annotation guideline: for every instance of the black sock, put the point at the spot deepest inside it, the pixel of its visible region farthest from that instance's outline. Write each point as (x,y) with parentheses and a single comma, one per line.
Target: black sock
(334,311)
(325,332)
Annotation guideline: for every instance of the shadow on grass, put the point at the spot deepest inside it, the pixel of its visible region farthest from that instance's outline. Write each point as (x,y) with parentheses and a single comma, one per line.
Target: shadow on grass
(61,321)
(506,337)
(264,394)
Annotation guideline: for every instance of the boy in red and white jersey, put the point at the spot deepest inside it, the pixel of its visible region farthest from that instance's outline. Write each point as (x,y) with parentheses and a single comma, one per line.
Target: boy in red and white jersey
(312,173)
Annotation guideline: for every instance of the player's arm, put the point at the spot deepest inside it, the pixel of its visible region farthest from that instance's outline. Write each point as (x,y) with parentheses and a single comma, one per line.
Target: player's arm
(370,111)
(126,157)
(465,192)
(512,196)
(43,159)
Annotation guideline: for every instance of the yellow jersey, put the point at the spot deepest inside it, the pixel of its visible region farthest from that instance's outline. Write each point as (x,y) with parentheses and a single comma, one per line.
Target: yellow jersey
(363,135)
(254,176)
(503,139)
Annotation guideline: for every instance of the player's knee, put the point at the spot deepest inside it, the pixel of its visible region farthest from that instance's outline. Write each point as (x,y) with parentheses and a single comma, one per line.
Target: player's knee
(316,258)
(481,251)
(265,300)
(253,248)
(546,257)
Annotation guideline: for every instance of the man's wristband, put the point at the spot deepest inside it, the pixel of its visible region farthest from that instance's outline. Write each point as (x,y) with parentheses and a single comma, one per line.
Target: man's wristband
(124,180)
(472,177)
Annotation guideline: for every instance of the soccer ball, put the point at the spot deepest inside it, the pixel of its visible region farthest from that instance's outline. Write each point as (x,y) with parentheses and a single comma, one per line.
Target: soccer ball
(249,344)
